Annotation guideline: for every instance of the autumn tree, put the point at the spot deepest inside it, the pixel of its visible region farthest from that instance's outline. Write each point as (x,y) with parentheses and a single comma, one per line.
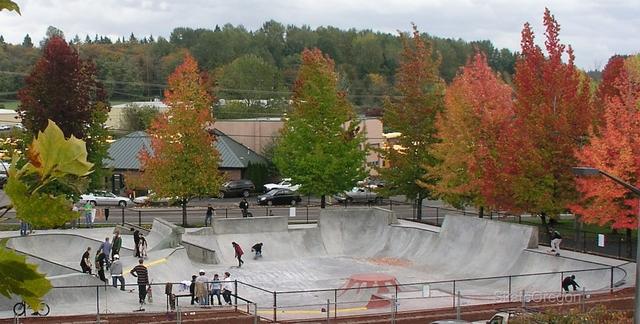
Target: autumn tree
(419,94)
(65,89)
(184,162)
(615,150)
(476,120)
(321,146)
(553,114)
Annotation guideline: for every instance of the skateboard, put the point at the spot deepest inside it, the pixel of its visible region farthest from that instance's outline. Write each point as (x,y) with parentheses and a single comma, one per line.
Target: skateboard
(553,252)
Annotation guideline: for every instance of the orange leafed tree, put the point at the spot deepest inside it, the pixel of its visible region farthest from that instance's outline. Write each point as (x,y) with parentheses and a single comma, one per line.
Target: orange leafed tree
(616,151)
(184,162)
(477,117)
(553,113)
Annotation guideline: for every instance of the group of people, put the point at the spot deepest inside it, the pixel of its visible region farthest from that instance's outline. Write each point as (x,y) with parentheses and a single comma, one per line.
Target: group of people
(204,289)
(107,257)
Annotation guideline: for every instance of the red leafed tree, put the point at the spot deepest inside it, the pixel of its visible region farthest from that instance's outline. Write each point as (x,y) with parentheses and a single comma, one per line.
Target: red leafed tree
(184,162)
(553,114)
(616,151)
(65,89)
(477,118)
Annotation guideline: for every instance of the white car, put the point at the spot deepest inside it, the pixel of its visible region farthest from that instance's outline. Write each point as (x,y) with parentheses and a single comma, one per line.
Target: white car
(152,200)
(105,198)
(284,184)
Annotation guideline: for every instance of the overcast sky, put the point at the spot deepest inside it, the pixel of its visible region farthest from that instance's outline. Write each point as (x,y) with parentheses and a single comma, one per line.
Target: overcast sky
(596,29)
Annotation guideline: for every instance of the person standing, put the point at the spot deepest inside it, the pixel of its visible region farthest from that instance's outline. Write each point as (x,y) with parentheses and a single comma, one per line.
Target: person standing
(88,214)
(140,272)
(244,206)
(136,242)
(116,272)
(556,239)
(192,289)
(257,248)
(117,244)
(227,288)
(85,262)
(239,253)
(201,290)
(569,281)
(142,247)
(106,248)
(209,216)
(100,266)
(215,289)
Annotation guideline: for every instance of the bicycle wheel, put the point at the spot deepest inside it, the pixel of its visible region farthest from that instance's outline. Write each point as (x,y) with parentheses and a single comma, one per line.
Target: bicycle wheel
(44,309)
(19,309)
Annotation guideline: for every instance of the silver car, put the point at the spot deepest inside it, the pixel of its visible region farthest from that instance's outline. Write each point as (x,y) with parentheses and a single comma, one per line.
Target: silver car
(105,198)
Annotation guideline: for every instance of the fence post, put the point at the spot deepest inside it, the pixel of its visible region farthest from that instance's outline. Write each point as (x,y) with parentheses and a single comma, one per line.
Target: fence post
(509,288)
(335,304)
(524,301)
(453,293)
(139,218)
(255,313)
(307,214)
(122,216)
(328,309)
(619,247)
(611,287)
(458,310)
(561,279)
(390,204)
(584,241)
(275,306)
(235,289)
(437,215)
(98,303)
(582,300)
(226,213)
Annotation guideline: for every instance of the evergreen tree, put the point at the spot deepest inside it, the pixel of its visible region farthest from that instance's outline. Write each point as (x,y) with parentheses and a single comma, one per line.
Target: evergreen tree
(26,42)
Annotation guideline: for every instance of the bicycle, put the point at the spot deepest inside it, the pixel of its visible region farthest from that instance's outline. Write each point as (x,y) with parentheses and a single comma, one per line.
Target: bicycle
(20,308)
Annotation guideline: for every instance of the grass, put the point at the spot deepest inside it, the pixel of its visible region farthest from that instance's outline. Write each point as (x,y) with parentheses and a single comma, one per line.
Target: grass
(13,105)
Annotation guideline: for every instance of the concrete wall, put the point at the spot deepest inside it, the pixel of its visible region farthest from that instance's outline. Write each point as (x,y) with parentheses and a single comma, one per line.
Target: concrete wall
(201,254)
(250,225)
(164,235)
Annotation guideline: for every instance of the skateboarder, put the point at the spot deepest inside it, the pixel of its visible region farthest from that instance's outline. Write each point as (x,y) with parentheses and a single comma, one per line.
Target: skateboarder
(106,248)
(116,272)
(569,281)
(209,215)
(257,248)
(85,262)
(227,288)
(117,244)
(101,263)
(239,253)
(141,272)
(556,239)
(142,247)
(244,206)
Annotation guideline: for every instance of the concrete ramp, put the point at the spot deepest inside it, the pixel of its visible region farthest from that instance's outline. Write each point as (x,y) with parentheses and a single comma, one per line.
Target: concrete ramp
(164,235)
(250,225)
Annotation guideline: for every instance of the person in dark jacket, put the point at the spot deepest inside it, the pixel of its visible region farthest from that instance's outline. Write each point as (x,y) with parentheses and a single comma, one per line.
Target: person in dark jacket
(101,265)
(136,241)
(85,262)
(569,281)
(192,290)
(257,248)
(244,206)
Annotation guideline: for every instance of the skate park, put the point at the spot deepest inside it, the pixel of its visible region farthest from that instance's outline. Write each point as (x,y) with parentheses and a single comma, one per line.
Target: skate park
(353,261)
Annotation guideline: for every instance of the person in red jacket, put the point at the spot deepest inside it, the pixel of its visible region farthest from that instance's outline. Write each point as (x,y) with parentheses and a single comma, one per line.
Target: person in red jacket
(239,253)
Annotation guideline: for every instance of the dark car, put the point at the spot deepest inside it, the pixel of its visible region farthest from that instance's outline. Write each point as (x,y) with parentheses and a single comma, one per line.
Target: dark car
(279,197)
(240,188)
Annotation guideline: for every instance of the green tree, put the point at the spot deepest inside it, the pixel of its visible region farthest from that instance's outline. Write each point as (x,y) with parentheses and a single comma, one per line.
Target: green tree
(249,77)
(41,191)
(27,42)
(321,145)
(138,118)
(184,162)
(412,112)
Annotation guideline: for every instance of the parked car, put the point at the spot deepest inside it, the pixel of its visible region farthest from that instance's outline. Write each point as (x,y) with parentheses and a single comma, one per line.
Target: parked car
(358,194)
(105,198)
(284,184)
(152,200)
(241,188)
(280,197)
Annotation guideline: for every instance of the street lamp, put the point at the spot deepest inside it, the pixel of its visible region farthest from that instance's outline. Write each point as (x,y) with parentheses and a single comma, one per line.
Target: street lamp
(589,171)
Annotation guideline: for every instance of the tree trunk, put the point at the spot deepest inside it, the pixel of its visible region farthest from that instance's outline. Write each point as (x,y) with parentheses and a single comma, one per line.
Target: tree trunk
(481,212)
(323,201)
(184,212)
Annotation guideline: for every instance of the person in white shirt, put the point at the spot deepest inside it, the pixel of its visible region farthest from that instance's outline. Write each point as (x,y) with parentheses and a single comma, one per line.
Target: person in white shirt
(227,288)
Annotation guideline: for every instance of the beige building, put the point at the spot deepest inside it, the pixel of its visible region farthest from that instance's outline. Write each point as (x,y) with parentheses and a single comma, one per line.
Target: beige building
(114,120)
(259,133)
